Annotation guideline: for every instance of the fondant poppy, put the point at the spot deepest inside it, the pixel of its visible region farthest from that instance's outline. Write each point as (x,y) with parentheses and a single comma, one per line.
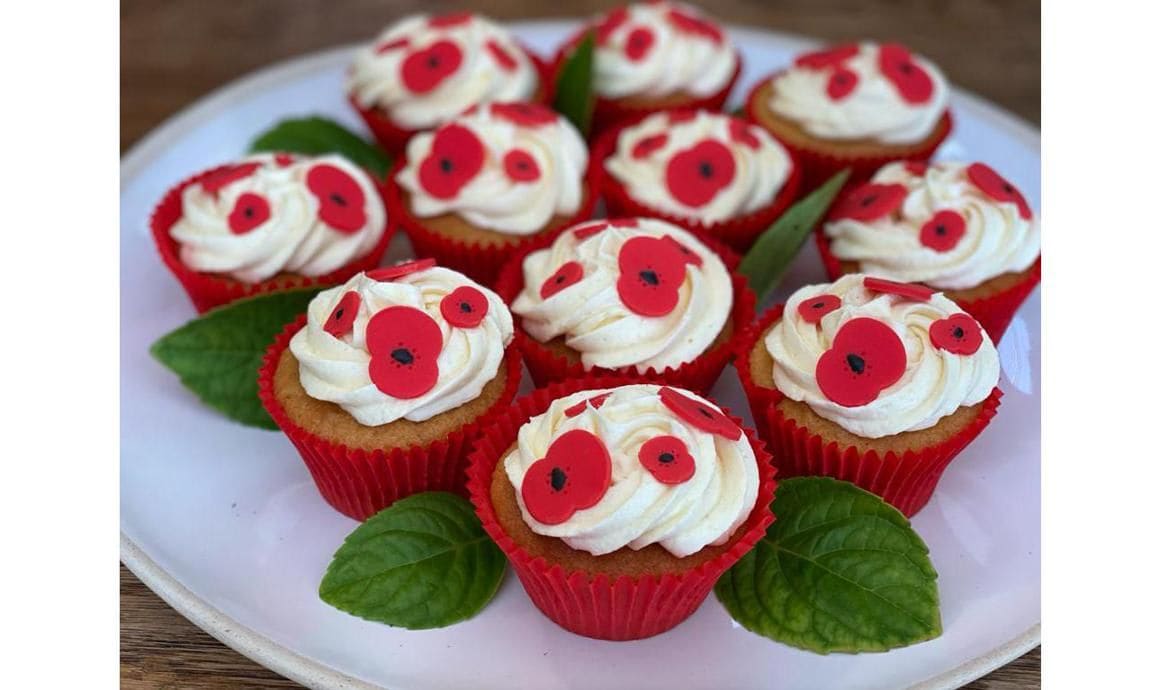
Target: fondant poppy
(283,160)
(404,344)
(743,133)
(524,114)
(650,273)
(574,475)
(898,65)
(942,231)
(341,199)
(564,277)
(578,408)
(829,57)
(917,168)
(464,307)
(446,21)
(688,254)
(456,157)
(695,175)
(342,318)
(841,83)
(400,269)
(520,166)
(593,228)
(251,210)
(212,184)
(678,117)
(611,22)
(911,291)
(423,70)
(648,145)
(865,358)
(393,44)
(505,59)
(699,414)
(869,202)
(639,42)
(813,309)
(689,23)
(994,186)
(668,459)
(958,333)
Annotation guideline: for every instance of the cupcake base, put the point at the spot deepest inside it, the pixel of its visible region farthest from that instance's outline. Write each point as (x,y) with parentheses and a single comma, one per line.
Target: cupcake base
(626,597)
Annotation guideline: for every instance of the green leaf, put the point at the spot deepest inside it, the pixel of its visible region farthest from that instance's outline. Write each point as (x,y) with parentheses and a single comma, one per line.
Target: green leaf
(767,261)
(218,355)
(738,112)
(574,98)
(839,571)
(424,562)
(318,135)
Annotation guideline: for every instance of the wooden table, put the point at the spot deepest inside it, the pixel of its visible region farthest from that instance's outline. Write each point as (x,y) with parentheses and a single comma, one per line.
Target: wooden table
(175,51)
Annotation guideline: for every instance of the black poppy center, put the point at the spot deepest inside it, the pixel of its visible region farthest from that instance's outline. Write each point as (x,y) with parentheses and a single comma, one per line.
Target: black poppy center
(338,198)
(868,200)
(856,363)
(558,479)
(465,307)
(339,314)
(819,305)
(560,279)
(905,68)
(666,458)
(445,165)
(705,412)
(433,62)
(841,78)
(402,355)
(649,277)
(958,332)
(706,170)
(249,211)
(940,230)
(523,165)
(1008,188)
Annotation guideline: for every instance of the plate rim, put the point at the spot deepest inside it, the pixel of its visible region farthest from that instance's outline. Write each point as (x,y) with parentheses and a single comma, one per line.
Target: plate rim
(308,672)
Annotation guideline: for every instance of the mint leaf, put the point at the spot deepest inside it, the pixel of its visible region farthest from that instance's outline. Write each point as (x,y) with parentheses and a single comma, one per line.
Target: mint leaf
(839,571)
(218,355)
(574,98)
(318,135)
(767,261)
(424,562)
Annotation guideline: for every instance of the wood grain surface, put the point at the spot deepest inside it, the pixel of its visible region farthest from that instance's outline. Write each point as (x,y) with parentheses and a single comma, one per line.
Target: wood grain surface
(175,51)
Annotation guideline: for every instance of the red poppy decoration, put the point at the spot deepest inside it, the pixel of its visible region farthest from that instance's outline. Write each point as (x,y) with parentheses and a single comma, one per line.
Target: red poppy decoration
(994,186)
(404,343)
(917,168)
(283,160)
(690,24)
(567,275)
(212,184)
(250,212)
(400,269)
(505,59)
(342,204)
(869,202)
(446,21)
(456,157)
(578,408)
(667,459)
(341,319)
(524,114)
(520,166)
(866,358)
(590,230)
(842,83)
(743,133)
(650,273)
(699,414)
(911,291)
(898,65)
(695,175)
(829,57)
(465,307)
(648,145)
(574,475)
(813,309)
(639,43)
(677,117)
(423,70)
(614,19)
(959,334)
(688,255)
(942,231)
(393,44)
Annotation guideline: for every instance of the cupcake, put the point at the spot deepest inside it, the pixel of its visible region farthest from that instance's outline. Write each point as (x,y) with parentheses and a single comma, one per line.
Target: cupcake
(475,189)
(620,506)
(956,227)
(633,297)
(712,173)
(270,222)
(871,381)
(859,105)
(425,70)
(656,56)
(385,381)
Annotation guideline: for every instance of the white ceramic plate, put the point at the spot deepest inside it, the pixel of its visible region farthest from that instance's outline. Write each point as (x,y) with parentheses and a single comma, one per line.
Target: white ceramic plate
(223,521)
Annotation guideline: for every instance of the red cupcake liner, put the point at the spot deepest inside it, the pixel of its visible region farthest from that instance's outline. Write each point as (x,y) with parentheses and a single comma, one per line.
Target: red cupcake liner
(609,112)
(993,312)
(594,604)
(698,375)
(819,166)
(738,233)
(905,480)
(360,483)
(392,138)
(209,290)
(481,262)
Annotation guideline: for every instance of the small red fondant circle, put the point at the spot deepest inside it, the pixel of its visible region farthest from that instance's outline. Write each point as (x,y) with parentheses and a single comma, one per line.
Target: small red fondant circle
(869,202)
(465,307)
(250,211)
(813,309)
(423,70)
(667,459)
(564,277)
(342,318)
(942,231)
(996,187)
(520,166)
(959,333)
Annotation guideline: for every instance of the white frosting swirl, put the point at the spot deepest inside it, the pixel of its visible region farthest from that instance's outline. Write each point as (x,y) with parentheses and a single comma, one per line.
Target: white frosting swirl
(759,172)
(996,240)
(592,318)
(492,199)
(375,78)
(638,510)
(873,110)
(293,239)
(677,60)
(934,385)
(336,369)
